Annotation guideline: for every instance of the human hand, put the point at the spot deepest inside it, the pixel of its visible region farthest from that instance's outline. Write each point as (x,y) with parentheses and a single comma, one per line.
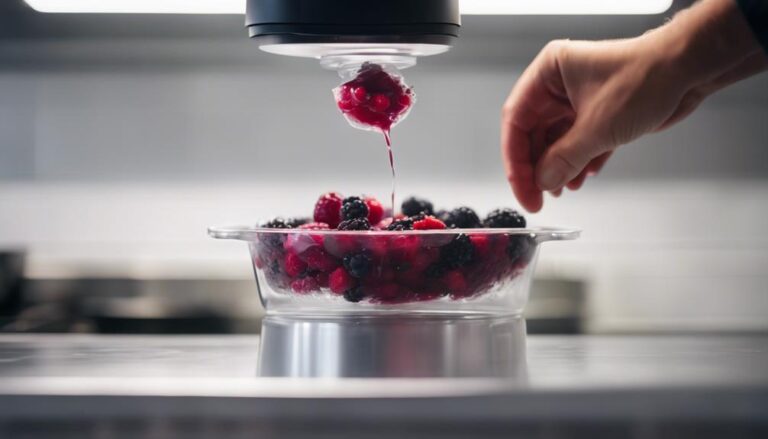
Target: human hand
(579,100)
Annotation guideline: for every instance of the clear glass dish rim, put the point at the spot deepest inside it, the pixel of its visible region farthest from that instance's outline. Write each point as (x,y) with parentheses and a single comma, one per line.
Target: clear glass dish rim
(540,234)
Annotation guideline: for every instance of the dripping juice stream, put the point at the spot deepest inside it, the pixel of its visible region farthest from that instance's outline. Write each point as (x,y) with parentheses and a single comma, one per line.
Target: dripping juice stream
(392,167)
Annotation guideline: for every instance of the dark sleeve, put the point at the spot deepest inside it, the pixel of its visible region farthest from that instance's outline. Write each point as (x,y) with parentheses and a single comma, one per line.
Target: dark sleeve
(756,12)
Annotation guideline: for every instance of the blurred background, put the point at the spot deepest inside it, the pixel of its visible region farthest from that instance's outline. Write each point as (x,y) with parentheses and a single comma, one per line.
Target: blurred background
(123,137)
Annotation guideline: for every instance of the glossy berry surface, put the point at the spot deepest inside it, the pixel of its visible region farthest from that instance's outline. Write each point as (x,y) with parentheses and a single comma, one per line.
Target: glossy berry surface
(278,223)
(328,209)
(375,210)
(400,225)
(358,264)
(415,206)
(458,252)
(504,218)
(374,98)
(340,281)
(462,218)
(354,295)
(355,224)
(353,207)
(428,223)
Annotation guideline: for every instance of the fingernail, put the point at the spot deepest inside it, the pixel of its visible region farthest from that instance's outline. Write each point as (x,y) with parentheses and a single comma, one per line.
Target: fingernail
(551,177)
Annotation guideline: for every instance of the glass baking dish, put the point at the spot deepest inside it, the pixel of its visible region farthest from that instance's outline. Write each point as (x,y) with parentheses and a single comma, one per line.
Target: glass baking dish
(452,271)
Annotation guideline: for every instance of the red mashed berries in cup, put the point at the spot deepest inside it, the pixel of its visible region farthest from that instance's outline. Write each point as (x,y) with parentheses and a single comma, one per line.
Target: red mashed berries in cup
(374,99)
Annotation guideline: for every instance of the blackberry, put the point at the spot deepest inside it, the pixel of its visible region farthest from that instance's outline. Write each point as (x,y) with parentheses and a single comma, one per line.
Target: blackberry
(462,218)
(401,266)
(296,222)
(358,264)
(354,295)
(401,225)
(442,215)
(435,270)
(415,206)
(458,252)
(504,218)
(353,207)
(520,247)
(278,223)
(355,224)
(274,240)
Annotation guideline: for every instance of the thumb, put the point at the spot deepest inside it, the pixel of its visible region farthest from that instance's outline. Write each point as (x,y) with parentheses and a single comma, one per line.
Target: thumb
(566,158)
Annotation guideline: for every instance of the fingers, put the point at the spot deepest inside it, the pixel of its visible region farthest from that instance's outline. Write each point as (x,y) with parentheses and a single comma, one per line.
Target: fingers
(516,155)
(596,165)
(577,182)
(566,158)
(533,102)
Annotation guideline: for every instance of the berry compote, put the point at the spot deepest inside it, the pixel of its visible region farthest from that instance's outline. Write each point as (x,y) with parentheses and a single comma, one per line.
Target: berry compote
(374,99)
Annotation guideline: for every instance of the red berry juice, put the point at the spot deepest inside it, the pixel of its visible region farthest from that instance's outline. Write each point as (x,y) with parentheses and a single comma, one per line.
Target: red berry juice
(375,100)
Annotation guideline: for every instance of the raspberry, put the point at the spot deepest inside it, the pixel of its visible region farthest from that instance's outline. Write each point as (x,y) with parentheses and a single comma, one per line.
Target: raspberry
(482,244)
(360,94)
(305,285)
(462,218)
(504,218)
(455,282)
(414,206)
(314,226)
(355,224)
(354,295)
(340,281)
(328,209)
(353,207)
(404,248)
(376,245)
(385,292)
(380,103)
(323,280)
(339,245)
(318,259)
(382,274)
(375,210)
(400,225)
(428,223)
(358,264)
(294,266)
(425,257)
(383,224)
(458,252)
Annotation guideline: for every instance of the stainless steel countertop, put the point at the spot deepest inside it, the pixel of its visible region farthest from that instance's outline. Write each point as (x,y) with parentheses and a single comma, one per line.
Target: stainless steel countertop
(620,380)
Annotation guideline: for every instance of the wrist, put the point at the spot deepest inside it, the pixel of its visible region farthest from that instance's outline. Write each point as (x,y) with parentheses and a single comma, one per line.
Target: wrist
(704,41)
